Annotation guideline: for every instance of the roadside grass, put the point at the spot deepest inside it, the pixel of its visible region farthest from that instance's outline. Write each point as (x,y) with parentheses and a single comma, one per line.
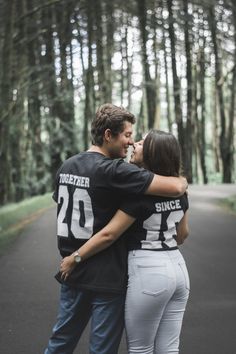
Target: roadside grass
(14,217)
(229,203)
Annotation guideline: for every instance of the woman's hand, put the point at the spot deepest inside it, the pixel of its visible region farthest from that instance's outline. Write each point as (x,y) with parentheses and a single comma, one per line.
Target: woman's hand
(67,265)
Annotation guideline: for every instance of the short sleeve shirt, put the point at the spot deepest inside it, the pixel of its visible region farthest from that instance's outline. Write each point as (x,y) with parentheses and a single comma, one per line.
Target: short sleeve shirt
(89,189)
(156,221)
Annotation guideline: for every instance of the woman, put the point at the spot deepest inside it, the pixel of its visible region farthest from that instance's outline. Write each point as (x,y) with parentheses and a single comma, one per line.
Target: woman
(158,282)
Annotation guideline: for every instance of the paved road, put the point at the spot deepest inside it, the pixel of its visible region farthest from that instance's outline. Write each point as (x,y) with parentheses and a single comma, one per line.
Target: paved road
(29,294)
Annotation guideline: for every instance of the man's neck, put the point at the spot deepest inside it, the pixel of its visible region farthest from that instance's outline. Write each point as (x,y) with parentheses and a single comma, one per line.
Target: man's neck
(100,149)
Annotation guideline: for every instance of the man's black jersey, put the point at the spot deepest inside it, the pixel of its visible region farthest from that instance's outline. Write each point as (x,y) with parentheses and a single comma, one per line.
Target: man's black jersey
(156,221)
(89,189)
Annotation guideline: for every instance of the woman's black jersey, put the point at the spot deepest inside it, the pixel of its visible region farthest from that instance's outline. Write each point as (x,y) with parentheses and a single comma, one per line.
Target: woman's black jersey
(156,222)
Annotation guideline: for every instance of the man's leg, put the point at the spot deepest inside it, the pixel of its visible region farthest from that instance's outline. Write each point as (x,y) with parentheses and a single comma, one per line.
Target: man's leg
(74,314)
(107,323)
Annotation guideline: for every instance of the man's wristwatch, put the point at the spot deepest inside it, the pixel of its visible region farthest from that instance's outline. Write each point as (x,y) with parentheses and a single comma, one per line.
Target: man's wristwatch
(77,257)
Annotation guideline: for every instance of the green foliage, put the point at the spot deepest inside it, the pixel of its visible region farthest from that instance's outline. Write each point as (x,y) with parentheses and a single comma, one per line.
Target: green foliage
(14,217)
(60,59)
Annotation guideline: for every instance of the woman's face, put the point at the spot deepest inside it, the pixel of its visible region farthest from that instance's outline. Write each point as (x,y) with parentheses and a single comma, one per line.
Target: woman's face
(137,154)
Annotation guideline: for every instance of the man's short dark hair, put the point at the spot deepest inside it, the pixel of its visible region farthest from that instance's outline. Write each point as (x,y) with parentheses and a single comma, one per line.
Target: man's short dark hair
(109,116)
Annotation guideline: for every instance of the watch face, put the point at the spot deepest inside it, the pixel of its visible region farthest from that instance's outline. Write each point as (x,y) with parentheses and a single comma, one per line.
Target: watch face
(77,258)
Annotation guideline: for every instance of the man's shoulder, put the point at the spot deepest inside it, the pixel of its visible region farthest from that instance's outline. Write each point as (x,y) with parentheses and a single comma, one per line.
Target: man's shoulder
(90,163)
(82,157)
(111,171)
(118,166)
(102,160)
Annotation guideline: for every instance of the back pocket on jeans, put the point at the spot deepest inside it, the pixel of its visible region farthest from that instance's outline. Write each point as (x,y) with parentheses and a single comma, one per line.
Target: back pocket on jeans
(153,278)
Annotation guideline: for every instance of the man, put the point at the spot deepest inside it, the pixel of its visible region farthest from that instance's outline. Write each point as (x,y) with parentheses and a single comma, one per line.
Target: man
(89,189)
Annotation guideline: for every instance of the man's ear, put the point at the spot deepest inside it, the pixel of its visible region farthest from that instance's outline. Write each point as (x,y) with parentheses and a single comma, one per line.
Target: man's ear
(107,135)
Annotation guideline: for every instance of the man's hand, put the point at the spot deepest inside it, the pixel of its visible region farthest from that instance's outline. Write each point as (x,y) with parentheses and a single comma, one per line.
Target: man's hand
(67,265)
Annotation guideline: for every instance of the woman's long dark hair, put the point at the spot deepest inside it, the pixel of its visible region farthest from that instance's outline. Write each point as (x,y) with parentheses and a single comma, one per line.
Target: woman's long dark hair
(161,153)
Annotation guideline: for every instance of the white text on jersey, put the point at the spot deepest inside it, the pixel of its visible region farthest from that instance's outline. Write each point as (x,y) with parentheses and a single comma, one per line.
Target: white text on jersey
(170,205)
(75,180)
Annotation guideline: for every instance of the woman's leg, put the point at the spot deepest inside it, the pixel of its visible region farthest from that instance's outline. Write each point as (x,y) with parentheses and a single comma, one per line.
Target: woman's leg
(168,334)
(150,287)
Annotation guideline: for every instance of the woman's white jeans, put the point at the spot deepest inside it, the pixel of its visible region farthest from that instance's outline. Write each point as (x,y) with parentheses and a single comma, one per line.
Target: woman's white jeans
(157,295)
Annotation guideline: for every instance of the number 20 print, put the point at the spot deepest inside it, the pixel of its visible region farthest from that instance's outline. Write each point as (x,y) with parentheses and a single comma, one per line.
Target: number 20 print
(82,217)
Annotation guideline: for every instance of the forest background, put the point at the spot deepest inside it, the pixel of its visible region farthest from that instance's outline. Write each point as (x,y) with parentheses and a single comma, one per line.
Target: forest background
(170,62)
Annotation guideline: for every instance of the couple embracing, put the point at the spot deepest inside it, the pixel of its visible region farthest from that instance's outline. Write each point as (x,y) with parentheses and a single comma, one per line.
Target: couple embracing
(119,225)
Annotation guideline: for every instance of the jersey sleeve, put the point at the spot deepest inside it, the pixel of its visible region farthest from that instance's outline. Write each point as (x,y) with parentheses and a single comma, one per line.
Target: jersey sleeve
(132,206)
(185,202)
(55,192)
(129,178)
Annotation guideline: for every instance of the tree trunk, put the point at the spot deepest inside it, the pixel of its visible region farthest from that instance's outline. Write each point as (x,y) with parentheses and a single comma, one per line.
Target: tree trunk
(34,103)
(103,95)
(177,88)
(189,123)
(229,164)
(51,94)
(65,103)
(122,71)
(6,186)
(215,136)
(19,119)
(149,84)
(89,86)
(157,117)
(129,63)
(168,110)
(202,137)
(109,47)
(195,142)
(219,90)
(200,112)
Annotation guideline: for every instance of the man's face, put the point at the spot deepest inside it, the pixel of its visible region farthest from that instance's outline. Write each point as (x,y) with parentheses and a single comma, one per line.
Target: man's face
(118,146)
(137,154)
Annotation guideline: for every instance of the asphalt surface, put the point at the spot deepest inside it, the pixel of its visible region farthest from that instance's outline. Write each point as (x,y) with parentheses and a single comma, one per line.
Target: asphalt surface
(29,294)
